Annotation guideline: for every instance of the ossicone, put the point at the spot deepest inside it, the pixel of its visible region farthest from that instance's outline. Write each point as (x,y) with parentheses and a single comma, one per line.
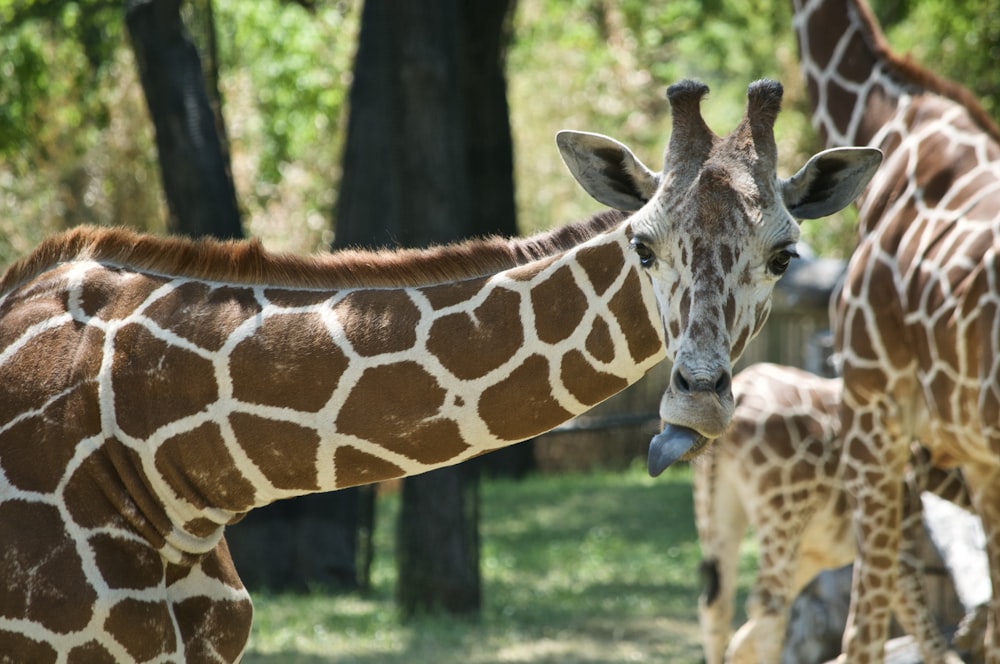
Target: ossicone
(756,131)
(764,102)
(690,136)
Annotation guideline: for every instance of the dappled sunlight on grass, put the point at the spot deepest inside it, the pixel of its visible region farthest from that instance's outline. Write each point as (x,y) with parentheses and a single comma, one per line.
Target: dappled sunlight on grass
(595,567)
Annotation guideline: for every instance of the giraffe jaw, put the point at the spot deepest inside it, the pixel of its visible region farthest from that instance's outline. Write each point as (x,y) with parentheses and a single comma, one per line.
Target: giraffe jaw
(674,443)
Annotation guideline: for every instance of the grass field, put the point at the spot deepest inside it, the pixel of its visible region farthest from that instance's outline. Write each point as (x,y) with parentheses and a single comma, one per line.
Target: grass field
(595,567)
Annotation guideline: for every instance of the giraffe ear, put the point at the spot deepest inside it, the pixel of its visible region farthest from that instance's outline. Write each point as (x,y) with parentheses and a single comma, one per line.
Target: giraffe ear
(607,169)
(829,181)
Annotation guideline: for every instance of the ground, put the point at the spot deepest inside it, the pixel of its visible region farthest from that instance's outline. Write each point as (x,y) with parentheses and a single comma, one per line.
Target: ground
(585,568)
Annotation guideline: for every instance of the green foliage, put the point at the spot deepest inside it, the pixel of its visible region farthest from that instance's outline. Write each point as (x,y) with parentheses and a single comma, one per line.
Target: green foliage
(53,56)
(957,39)
(597,567)
(75,146)
(299,65)
(22,69)
(604,67)
(285,74)
(76,143)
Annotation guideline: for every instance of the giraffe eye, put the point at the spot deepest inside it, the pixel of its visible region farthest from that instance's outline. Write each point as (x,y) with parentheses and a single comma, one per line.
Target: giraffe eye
(645,254)
(779,262)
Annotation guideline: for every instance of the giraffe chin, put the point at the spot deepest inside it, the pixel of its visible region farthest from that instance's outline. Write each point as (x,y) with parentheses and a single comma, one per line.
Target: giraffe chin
(673,444)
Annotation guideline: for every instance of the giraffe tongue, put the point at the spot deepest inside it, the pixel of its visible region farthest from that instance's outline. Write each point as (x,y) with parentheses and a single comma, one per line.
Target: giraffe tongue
(670,445)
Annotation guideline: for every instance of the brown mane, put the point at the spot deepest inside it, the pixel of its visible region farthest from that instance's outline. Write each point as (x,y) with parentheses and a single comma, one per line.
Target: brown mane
(911,73)
(247,262)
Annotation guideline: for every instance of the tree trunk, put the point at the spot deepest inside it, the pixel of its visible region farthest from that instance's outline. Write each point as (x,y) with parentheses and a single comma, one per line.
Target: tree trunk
(489,146)
(203,33)
(194,166)
(292,545)
(437,550)
(404,180)
(310,542)
(428,134)
(489,157)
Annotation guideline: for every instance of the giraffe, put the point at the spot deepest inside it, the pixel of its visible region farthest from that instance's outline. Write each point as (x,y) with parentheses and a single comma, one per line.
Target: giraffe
(155,390)
(778,469)
(916,319)
(222,596)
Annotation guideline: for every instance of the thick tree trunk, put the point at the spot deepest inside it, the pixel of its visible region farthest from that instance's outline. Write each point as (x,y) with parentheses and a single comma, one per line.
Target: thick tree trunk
(404,180)
(194,166)
(203,33)
(489,146)
(317,541)
(292,545)
(438,543)
(489,154)
(428,160)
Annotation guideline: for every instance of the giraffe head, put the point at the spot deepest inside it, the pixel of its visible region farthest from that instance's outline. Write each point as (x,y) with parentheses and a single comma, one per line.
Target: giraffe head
(713,231)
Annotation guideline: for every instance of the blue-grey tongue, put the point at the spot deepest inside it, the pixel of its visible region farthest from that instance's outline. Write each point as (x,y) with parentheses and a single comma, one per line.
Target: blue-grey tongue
(670,445)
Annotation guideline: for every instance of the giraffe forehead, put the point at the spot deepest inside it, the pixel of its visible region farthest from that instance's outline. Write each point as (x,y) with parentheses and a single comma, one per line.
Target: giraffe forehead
(725,205)
(704,250)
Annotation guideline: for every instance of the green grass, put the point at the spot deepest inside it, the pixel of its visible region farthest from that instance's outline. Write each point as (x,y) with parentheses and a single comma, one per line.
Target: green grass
(596,567)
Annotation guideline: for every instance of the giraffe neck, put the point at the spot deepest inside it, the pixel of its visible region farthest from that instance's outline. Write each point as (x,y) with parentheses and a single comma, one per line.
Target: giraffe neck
(857,84)
(854,82)
(218,397)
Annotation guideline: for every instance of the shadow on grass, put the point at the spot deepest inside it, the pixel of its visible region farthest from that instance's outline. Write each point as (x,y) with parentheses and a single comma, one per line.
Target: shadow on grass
(286,658)
(594,568)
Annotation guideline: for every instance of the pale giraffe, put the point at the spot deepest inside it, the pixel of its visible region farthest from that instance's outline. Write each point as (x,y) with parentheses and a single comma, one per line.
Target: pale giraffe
(918,316)
(155,390)
(778,469)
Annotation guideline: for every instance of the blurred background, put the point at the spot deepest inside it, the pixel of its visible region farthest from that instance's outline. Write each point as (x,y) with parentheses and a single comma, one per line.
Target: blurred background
(77,144)
(317,124)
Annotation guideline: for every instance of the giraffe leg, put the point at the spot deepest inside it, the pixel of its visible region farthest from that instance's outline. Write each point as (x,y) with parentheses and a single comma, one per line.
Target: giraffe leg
(715,609)
(761,638)
(984,484)
(721,522)
(874,464)
(212,608)
(911,604)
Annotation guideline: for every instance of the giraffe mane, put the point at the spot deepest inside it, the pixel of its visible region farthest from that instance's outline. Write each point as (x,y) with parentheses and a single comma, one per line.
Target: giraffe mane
(908,71)
(248,262)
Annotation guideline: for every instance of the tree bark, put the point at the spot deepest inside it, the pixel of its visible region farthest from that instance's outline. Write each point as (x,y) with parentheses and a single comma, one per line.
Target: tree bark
(489,154)
(310,542)
(203,33)
(298,544)
(437,549)
(428,160)
(489,145)
(404,180)
(194,166)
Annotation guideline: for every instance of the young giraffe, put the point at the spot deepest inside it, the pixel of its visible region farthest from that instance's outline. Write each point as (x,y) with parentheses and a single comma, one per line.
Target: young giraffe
(156,390)
(918,316)
(778,469)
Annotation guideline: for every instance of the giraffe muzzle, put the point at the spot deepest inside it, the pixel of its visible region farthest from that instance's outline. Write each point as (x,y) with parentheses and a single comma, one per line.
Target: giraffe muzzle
(672,444)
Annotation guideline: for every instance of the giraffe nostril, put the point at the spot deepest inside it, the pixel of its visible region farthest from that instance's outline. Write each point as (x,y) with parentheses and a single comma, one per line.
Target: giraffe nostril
(723,384)
(684,383)
(681,383)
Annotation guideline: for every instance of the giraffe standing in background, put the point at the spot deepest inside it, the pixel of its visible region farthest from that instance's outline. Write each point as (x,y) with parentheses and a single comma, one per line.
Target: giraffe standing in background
(778,469)
(155,390)
(918,317)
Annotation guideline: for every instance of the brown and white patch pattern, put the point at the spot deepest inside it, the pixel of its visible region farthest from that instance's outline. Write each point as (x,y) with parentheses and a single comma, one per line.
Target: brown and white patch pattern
(918,315)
